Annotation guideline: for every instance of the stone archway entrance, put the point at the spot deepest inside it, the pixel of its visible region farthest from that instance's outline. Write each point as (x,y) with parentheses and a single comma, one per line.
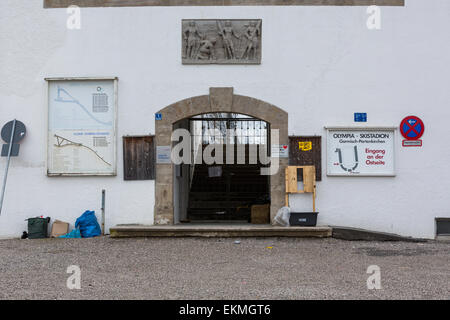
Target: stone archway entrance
(218,100)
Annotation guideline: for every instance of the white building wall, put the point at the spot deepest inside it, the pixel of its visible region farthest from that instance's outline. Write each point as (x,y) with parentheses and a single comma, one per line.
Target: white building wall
(320,64)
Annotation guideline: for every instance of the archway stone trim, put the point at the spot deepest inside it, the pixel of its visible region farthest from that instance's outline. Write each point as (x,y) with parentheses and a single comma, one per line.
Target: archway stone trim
(218,100)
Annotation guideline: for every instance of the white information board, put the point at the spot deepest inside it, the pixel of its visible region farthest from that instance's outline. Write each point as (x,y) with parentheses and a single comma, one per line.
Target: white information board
(163,154)
(360,151)
(82,126)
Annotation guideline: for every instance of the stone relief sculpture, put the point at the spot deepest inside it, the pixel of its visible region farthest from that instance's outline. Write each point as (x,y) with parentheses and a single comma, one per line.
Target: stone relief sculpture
(221,41)
(252,35)
(227,34)
(190,36)
(206,50)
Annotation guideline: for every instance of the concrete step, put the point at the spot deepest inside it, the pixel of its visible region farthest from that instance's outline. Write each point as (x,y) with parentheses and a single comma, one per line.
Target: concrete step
(218,230)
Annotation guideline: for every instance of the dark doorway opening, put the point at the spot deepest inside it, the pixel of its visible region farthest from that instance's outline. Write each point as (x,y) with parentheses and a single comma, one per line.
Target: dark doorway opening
(224,192)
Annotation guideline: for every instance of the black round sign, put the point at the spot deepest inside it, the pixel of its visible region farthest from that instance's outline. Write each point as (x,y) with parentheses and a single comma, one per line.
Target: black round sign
(19,132)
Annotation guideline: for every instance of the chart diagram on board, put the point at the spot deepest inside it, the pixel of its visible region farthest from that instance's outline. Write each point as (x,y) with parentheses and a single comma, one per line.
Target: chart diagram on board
(81,127)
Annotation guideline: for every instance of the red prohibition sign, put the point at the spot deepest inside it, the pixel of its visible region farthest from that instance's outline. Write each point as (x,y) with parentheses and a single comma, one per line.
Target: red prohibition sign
(412,128)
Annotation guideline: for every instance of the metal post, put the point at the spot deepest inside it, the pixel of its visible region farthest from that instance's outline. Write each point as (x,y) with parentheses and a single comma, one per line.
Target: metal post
(11,140)
(103,211)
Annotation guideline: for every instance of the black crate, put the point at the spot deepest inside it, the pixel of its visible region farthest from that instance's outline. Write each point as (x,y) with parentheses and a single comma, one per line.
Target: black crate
(308,219)
(442,226)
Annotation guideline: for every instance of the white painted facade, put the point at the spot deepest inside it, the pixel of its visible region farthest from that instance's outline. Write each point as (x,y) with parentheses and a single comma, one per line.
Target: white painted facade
(320,64)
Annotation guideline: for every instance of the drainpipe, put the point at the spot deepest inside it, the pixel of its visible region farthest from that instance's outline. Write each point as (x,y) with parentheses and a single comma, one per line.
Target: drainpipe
(103,211)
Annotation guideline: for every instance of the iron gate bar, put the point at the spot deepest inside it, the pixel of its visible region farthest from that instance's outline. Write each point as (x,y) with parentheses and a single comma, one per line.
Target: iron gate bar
(232,123)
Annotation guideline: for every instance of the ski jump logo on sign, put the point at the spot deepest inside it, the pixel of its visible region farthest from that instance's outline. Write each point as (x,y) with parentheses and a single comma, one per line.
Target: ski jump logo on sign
(412,129)
(339,152)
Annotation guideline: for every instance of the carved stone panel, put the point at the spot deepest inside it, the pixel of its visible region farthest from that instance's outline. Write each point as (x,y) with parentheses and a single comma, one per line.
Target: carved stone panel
(221,41)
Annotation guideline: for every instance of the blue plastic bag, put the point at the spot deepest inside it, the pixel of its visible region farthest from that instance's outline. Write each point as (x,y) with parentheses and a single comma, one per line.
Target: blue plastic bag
(88,225)
(74,234)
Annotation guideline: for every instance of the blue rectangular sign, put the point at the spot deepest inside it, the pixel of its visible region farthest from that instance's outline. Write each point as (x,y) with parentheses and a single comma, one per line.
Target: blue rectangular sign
(360,117)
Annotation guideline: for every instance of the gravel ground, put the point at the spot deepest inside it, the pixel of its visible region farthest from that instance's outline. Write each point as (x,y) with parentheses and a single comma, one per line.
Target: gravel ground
(199,268)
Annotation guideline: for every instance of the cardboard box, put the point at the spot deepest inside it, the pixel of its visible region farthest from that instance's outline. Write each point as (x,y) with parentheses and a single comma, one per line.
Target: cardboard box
(260,214)
(59,228)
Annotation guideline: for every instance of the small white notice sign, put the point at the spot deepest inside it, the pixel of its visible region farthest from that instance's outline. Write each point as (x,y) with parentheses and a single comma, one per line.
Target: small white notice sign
(163,154)
(280,151)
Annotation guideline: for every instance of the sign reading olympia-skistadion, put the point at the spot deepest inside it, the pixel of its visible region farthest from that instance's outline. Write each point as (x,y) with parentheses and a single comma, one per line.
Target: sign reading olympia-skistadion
(81,126)
(360,152)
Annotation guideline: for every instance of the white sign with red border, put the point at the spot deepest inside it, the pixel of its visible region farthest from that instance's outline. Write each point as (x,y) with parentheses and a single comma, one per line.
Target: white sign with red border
(360,151)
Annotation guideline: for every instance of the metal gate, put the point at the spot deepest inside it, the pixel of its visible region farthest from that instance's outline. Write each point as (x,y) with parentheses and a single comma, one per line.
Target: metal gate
(228,192)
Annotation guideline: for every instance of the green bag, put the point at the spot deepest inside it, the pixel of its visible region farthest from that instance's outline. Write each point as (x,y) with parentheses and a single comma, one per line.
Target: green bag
(38,228)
